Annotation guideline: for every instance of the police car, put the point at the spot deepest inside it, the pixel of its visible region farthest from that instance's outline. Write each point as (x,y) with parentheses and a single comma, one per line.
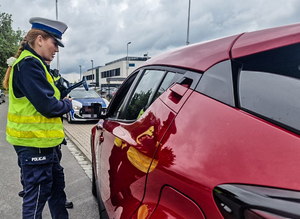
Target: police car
(87,105)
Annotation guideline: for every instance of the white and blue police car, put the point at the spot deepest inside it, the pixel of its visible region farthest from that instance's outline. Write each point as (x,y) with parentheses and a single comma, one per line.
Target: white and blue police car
(87,105)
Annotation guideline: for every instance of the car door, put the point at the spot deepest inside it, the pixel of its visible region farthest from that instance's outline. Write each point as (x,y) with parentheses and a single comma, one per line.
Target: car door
(137,122)
(129,142)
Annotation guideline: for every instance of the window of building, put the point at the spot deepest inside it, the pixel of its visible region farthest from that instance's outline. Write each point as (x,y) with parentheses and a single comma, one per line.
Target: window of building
(118,72)
(89,77)
(110,73)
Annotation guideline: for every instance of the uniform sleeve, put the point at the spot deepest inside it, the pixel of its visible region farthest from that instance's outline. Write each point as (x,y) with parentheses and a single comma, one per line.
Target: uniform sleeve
(32,82)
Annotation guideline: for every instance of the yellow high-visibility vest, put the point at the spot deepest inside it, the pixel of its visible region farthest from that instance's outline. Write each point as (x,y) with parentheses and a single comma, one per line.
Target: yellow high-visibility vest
(25,125)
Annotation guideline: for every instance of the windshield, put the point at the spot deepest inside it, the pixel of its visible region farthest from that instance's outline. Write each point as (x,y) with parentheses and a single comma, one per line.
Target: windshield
(83,94)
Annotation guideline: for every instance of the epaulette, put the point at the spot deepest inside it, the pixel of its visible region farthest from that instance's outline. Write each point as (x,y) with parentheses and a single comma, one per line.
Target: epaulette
(27,58)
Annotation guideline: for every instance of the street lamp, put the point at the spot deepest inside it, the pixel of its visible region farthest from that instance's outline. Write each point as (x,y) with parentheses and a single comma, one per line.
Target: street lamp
(188,24)
(127,64)
(92,71)
(79,72)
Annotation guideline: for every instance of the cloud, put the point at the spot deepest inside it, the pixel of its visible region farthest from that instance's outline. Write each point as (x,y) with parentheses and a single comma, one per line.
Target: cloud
(99,30)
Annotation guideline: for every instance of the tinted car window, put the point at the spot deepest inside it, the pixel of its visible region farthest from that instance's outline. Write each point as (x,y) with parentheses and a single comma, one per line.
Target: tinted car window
(269,85)
(117,103)
(168,80)
(283,61)
(217,83)
(273,96)
(140,98)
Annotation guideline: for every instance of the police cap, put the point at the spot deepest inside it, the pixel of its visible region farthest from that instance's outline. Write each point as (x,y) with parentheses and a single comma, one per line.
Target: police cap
(52,27)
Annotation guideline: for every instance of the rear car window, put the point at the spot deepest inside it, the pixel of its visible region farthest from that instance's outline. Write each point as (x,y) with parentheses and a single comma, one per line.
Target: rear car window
(273,96)
(269,85)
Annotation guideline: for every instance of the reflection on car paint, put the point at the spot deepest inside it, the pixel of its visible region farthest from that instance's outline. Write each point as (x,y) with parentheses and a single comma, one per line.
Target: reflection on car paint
(130,162)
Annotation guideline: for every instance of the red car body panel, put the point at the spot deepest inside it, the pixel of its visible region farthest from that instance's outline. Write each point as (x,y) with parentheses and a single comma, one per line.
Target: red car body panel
(203,154)
(167,163)
(173,204)
(198,57)
(258,41)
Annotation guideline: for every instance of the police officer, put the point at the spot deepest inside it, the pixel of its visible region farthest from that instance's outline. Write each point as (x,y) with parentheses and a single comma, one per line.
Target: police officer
(56,77)
(34,124)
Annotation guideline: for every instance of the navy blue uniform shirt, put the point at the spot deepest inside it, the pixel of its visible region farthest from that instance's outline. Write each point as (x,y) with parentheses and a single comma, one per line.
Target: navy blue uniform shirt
(30,80)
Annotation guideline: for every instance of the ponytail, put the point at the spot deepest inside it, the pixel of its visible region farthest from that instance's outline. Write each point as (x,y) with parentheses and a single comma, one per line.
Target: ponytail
(30,39)
(7,75)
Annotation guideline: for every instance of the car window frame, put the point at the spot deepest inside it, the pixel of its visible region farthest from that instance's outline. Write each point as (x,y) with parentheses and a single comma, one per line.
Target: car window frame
(132,82)
(129,96)
(122,94)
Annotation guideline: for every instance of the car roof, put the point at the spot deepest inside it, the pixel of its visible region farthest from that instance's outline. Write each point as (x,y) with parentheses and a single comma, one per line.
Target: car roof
(262,40)
(202,56)
(198,56)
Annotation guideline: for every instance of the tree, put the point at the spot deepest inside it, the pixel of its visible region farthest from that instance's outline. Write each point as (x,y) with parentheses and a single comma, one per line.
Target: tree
(9,42)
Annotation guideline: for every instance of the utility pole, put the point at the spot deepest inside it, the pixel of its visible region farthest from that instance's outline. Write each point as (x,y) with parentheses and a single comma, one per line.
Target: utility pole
(127,63)
(188,24)
(92,71)
(79,72)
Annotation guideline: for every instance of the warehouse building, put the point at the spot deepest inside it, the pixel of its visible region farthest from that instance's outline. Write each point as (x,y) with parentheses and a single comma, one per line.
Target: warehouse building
(113,73)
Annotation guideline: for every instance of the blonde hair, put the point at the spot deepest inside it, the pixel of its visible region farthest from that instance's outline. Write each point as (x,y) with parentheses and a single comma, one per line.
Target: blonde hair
(30,39)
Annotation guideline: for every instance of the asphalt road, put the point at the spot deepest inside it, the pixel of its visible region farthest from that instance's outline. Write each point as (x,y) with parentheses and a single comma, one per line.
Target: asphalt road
(78,184)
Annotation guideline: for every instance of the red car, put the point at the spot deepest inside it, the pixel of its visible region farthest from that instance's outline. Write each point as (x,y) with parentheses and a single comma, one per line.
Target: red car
(209,130)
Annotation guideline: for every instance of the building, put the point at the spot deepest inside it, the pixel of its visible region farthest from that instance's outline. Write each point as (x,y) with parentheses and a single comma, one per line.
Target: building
(113,73)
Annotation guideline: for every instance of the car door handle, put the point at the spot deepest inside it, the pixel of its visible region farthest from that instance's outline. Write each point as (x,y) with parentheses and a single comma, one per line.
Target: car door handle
(177,92)
(179,89)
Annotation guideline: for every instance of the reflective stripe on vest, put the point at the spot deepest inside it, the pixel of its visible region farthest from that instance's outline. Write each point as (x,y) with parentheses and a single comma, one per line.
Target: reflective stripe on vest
(25,125)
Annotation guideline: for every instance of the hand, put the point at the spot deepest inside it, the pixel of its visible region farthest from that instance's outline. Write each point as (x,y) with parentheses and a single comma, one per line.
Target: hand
(68,98)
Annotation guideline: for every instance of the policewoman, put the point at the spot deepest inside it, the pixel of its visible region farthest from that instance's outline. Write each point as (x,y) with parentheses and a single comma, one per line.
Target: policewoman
(34,125)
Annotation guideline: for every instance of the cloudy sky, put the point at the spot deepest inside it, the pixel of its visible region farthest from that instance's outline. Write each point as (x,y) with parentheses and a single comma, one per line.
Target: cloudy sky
(99,30)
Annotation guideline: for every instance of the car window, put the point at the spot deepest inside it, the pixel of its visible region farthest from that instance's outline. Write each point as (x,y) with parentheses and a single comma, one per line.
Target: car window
(169,79)
(83,94)
(117,104)
(147,85)
(269,84)
(142,89)
(271,95)
(217,83)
